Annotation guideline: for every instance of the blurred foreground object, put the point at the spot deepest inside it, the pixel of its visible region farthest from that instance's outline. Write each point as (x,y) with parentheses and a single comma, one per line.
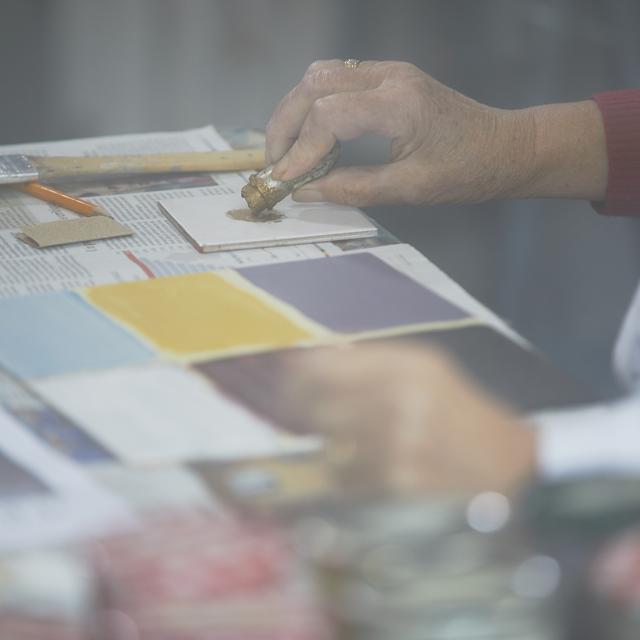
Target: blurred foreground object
(615,581)
(199,576)
(45,595)
(449,568)
(590,524)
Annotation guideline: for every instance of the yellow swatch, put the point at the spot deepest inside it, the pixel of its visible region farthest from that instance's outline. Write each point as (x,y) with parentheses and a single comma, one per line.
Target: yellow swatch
(196,314)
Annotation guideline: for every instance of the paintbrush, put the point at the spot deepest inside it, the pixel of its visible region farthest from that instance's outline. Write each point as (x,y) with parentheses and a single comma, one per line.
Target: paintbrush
(17,168)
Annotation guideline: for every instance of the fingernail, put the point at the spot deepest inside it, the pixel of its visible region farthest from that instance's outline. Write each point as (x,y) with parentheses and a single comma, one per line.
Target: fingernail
(308,195)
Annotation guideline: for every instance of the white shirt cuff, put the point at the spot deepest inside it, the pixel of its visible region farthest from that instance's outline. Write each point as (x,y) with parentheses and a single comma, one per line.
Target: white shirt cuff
(596,439)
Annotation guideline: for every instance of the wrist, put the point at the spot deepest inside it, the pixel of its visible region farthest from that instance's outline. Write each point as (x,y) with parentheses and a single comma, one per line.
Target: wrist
(514,152)
(569,159)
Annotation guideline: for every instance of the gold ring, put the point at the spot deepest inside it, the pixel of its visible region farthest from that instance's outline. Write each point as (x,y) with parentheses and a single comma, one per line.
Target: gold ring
(351,63)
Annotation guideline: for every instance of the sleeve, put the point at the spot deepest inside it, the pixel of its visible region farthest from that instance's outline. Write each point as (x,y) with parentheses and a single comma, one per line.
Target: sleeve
(620,112)
(602,438)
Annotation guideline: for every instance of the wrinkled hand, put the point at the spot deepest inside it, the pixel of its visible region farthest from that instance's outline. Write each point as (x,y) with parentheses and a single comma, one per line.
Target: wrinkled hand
(445,147)
(406,420)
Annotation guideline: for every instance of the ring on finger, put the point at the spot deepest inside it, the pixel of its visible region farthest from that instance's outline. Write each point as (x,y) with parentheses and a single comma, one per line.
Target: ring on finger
(351,63)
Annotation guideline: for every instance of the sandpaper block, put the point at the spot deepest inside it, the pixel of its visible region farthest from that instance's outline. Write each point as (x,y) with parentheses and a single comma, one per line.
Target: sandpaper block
(61,232)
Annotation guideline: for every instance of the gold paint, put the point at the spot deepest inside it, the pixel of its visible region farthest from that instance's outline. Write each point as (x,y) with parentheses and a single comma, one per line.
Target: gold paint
(197,313)
(247,215)
(264,192)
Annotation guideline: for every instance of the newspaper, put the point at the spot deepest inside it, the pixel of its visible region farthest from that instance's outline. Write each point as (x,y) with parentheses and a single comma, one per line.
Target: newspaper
(156,249)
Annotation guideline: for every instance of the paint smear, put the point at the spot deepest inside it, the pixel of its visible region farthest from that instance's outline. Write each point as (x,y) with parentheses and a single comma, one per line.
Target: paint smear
(247,215)
(196,314)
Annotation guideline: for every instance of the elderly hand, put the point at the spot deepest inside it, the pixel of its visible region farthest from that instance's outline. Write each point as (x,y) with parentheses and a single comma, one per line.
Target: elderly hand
(445,147)
(404,419)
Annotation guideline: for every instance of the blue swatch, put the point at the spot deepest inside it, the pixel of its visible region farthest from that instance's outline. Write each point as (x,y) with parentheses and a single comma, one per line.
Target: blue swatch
(58,333)
(352,293)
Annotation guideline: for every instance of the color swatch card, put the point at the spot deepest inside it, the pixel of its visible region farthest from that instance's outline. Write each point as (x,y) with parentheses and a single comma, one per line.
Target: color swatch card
(216,314)
(223,222)
(56,333)
(353,293)
(518,377)
(188,316)
(154,415)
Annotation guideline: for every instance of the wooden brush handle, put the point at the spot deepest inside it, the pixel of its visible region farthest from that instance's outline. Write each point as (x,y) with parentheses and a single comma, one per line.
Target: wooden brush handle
(54,168)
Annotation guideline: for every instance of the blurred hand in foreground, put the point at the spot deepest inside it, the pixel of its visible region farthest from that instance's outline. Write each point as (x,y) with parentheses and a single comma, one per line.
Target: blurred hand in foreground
(406,420)
(445,147)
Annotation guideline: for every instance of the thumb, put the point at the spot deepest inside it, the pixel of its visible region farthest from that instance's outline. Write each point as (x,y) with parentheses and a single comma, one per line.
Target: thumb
(357,186)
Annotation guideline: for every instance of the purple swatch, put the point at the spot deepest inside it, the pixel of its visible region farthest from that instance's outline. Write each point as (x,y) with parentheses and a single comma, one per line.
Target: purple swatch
(352,293)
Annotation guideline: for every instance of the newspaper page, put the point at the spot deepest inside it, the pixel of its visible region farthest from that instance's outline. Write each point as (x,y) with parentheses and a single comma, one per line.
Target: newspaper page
(156,249)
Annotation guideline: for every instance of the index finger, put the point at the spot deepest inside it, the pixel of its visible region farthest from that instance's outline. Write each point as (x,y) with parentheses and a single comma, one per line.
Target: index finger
(339,116)
(321,79)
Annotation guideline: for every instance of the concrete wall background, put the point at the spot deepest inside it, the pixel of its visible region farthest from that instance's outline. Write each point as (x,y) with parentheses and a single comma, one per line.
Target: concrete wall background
(558,272)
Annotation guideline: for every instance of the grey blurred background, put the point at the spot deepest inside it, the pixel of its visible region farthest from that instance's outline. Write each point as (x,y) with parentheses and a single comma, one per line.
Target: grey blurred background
(558,272)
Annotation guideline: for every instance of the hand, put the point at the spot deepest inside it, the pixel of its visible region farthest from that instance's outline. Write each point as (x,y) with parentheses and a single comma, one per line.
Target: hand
(403,419)
(445,147)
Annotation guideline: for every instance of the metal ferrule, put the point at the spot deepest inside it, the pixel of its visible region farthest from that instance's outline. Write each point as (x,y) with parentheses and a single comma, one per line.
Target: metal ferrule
(17,168)
(264,192)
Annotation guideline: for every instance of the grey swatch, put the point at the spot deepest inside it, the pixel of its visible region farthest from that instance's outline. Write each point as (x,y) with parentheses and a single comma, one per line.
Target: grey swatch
(352,293)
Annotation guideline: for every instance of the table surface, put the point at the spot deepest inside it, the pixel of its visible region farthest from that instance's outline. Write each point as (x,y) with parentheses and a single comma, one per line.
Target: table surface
(174,485)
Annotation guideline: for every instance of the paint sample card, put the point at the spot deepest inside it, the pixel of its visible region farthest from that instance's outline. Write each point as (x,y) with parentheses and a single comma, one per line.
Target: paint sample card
(47,424)
(58,333)
(516,375)
(197,314)
(163,414)
(258,382)
(353,293)
(223,222)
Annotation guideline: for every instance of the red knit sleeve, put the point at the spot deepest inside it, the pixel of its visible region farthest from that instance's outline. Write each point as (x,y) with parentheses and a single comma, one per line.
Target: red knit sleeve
(621,116)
